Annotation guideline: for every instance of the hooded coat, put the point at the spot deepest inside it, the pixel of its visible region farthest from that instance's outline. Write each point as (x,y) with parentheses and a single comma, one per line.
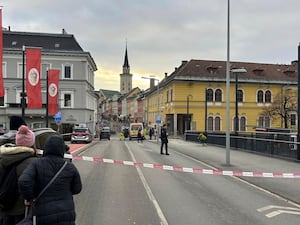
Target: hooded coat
(10,154)
(56,205)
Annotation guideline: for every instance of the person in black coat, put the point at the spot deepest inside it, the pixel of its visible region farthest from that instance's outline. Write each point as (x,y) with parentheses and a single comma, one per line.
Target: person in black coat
(164,139)
(56,205)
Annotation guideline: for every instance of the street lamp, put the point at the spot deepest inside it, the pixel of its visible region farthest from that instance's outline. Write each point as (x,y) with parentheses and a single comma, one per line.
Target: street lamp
(228,87)
(236,118)
(188,122)
(157,118)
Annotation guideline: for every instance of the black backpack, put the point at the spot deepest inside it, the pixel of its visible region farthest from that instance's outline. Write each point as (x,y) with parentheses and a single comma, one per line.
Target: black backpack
(8,186)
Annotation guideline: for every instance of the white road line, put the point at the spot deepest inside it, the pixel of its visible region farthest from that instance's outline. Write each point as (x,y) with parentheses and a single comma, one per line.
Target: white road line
(278,212)
(276,207)
(148,190)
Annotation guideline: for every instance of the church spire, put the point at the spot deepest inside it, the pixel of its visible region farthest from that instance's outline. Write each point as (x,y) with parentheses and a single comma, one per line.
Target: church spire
(126,67)
(126,77)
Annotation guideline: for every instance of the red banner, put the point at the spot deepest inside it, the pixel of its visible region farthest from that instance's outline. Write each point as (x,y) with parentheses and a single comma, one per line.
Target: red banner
(33,79)
(53,81)
(1,58)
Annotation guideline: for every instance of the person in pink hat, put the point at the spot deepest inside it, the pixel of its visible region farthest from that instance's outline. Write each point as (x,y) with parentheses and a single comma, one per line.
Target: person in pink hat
(21,153)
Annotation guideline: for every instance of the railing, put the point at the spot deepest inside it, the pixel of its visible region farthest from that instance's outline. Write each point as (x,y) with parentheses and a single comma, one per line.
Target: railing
(274,144)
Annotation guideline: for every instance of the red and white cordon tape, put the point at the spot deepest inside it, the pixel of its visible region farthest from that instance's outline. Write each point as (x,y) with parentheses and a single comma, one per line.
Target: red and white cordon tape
(184,169)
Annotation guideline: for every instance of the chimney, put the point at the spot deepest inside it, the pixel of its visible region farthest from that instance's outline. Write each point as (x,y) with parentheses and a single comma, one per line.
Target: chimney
(183,62)
(166,75)
(152,83)
(294,63)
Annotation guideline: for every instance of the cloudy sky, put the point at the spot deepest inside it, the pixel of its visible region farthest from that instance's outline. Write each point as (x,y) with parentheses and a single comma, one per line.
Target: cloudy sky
(162,33)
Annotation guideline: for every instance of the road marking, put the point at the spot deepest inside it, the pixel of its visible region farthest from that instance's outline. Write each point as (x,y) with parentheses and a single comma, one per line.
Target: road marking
(278,212)
(148,191)
(282,210)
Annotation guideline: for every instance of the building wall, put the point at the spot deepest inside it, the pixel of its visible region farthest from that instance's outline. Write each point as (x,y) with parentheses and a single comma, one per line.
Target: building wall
(80,86)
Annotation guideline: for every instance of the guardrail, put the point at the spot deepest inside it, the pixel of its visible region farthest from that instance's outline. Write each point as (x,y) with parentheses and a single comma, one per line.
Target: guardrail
(275,144)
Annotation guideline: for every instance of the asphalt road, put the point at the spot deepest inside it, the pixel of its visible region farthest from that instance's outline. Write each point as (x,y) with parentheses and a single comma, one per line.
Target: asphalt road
(116,194)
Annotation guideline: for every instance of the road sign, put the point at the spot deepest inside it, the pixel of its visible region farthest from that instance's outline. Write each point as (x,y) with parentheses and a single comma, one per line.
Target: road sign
(58,117)
(158,118)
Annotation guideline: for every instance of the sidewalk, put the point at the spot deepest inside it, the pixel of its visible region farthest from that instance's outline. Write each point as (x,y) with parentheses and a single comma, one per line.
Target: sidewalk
(249,162)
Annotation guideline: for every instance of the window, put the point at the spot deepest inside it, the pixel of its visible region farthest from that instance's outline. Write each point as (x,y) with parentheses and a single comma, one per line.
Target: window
(217,123)
(263,121)
(20,70)
(167,95)
(242,123)
(45,67)
(210,122)
(171,95)
(218,95)
(240,96)
(293,120)
(1,101)
(260,96)
(4,69)
(67,71)
(67,99)
(210,95)
(268,96)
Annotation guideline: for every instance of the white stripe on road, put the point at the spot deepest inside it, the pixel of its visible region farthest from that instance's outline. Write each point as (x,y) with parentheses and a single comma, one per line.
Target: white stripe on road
(148,190)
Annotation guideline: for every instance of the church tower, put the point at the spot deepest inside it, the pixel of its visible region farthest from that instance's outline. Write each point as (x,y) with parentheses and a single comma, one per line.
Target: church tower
(125,77)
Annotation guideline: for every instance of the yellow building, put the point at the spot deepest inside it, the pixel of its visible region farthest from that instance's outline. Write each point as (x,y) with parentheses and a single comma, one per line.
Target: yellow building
(193,97)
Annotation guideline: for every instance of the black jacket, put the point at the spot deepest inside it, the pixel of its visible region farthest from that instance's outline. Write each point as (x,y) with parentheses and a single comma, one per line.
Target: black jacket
(56,205)
(164,135)
(10,154)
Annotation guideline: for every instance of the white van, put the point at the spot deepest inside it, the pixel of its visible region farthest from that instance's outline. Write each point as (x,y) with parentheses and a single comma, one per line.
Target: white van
(134,128)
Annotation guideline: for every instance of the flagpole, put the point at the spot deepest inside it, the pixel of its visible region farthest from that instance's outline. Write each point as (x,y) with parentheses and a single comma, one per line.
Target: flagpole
(23,85)
(47,99)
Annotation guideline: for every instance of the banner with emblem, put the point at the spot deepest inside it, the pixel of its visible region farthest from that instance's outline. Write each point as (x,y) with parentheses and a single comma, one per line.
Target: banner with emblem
(1,57)
(53,82)
(33,79)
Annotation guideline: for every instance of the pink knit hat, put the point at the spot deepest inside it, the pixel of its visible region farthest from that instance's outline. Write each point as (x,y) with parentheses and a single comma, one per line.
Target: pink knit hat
(25,137)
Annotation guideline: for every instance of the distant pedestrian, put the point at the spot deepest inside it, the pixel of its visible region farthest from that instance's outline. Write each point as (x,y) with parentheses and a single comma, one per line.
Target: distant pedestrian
(140,138)
(151,132)
(122,136)
(164,139)
(56,204)
(202,138)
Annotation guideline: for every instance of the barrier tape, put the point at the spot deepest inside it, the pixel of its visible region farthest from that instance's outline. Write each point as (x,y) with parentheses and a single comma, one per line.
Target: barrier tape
(183,169)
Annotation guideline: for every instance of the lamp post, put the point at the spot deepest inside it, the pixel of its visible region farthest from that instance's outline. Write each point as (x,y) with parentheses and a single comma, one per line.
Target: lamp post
(188,122)
(236,118)
(298,113)
(157,116)
(205,116)
(228,87)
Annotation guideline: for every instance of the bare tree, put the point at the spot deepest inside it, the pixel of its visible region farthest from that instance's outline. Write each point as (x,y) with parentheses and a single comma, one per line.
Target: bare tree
(283,106)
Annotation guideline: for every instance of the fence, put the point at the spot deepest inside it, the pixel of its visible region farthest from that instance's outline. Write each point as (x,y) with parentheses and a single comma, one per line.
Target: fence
(269,143)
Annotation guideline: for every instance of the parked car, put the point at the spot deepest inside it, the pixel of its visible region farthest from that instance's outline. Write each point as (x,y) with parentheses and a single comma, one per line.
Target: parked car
(82,134)
(105,133)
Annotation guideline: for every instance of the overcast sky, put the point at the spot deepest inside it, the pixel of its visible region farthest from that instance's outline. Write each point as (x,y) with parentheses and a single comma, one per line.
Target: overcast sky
(162,33)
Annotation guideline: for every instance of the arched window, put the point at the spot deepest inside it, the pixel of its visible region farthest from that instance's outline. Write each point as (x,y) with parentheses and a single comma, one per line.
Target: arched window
(210,122)
(240,96)
(263,121)
(218,95)
(217,123)
(260,96)
(268,96)
(242,123)
(210,95)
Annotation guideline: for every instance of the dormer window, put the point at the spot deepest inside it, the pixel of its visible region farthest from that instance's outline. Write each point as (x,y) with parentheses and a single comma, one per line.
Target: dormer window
(212,69)
(258,71)
(290,72)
